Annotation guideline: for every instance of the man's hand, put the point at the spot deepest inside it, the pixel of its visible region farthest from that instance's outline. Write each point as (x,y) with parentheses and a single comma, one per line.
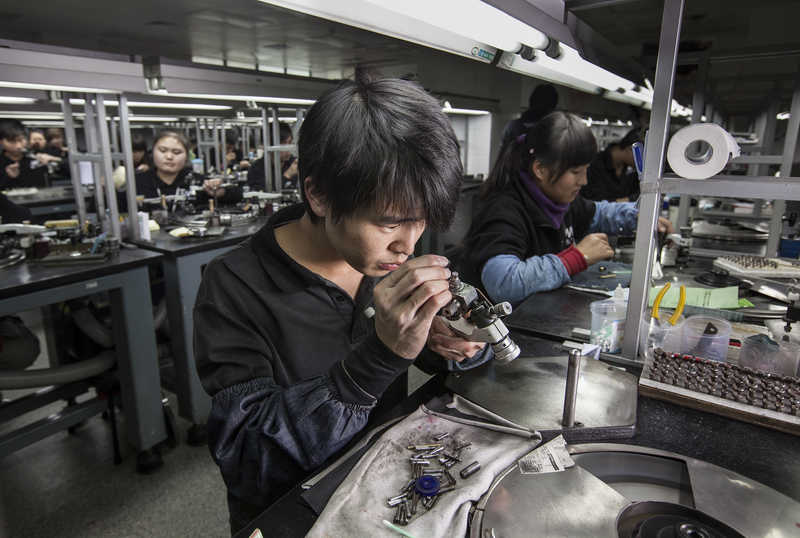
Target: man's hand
(595,248)
(211,186)
(244,164)
(45,158)
(142,168)
(12,170)
(665,226)
(406,302)
(444,341)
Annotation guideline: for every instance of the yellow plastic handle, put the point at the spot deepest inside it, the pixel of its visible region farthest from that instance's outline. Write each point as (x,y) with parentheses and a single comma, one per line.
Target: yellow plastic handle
(657,301)
(679,310)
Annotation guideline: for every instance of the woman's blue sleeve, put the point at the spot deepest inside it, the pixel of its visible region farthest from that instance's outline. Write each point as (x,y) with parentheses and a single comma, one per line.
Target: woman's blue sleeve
(507,278)
(614,217)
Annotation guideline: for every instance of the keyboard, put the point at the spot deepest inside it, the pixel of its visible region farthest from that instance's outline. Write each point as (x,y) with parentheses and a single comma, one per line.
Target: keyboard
(758,266)
(725,389)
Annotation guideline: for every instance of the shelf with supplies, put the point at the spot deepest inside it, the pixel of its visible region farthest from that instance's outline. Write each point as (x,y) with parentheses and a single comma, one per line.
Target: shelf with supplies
(760,187)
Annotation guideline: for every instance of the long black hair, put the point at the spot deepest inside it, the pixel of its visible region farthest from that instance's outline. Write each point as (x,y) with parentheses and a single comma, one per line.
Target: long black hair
(559,141)
(381,144)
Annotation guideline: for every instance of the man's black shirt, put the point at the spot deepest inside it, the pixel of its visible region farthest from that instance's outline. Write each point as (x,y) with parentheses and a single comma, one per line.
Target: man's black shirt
(292,363)
(29,176)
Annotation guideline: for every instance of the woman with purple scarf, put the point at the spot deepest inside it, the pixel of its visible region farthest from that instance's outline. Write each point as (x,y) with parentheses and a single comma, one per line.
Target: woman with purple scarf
(533,231)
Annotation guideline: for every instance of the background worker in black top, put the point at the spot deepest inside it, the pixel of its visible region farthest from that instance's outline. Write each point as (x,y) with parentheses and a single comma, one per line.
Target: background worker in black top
(542,101)
(612,175)
(16,169)
(255,175)
(301,330)
(533,230)
(170,173)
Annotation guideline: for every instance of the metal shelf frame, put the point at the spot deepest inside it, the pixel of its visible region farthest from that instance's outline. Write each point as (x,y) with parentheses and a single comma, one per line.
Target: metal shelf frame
(654,183)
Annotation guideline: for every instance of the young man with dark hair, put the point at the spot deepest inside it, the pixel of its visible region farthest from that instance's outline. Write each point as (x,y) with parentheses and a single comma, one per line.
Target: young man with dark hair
(612,176)
(17,170)
(301,331)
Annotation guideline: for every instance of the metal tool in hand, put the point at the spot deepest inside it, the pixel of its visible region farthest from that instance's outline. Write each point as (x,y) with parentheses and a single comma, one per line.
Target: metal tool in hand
(471,315)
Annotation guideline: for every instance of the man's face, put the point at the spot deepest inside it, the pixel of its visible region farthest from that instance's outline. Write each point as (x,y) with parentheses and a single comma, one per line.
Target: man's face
(138,155)
(286,155)
(37,141)
(14,147)
(57,142)
(374,243)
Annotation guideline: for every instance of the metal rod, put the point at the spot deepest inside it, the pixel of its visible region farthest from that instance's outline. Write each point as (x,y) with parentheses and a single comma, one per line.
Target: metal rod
(89,128)
(789,146)
(105,147)
(276,157)
(130,173)
(224,147)
(199,142)
(265,136)
(653,167)
(74,166)
(571,392)
(114,141)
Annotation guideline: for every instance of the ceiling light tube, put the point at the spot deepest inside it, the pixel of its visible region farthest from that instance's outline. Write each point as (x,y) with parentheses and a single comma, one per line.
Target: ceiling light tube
(9,100)
(256,98)
(469,28)
(52,87)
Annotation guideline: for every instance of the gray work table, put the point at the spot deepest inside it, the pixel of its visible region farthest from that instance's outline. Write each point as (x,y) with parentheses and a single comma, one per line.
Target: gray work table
(125,277)
(184,261)
(765,455)
(554,314)
(49,201)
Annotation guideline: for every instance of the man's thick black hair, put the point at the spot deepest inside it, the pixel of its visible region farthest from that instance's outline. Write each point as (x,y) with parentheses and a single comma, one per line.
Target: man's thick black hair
(381,144)
(11,129)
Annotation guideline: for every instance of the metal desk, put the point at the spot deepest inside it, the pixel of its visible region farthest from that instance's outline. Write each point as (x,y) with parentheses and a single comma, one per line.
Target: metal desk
(770,459)
(27,286)
(49,202)
(184,261)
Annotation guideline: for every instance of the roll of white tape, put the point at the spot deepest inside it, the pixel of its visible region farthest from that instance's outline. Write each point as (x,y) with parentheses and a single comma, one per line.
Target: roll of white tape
(718,149)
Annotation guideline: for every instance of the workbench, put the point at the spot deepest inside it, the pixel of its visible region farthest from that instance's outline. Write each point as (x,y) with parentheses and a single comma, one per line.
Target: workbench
(28,286)
(771,457)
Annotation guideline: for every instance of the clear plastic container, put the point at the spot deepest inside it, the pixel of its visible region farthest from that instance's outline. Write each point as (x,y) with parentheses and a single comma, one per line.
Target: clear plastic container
(608,324)
(761,353)
(706,337)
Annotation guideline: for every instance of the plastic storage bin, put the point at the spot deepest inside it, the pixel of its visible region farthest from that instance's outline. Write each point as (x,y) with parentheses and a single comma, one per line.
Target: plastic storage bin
(608,324)
(706,337)
(762,353)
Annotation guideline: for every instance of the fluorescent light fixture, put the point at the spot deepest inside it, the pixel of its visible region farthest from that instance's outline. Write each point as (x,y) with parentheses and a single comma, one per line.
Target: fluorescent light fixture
(157,104)
(9,100)
(131,117)
(53,87)
(43,123)
(783,115)
(256,98)
(465,111)
(469,28)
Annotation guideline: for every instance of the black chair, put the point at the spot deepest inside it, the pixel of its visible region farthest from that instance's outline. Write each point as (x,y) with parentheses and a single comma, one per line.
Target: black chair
(64,382)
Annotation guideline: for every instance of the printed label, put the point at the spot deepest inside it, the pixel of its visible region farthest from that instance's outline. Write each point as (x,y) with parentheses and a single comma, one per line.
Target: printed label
(552,457)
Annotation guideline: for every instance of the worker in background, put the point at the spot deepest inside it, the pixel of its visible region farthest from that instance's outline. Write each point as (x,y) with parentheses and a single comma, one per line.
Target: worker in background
(18,170)
(141,159)
(542,101)
(533,230)
(170,172)
(256,177)
(612,175)
(54,138)
(302,330)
